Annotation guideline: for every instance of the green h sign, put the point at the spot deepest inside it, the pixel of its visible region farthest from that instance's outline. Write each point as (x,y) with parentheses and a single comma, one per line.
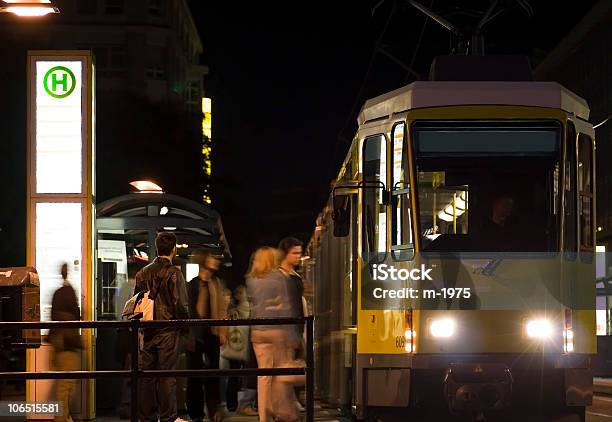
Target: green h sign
(59,82)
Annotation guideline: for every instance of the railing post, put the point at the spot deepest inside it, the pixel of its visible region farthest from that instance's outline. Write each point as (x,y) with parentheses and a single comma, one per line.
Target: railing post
(134,378)
(310,369)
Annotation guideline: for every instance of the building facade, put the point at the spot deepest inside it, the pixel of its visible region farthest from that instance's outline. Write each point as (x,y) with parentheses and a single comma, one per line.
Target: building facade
(149,47)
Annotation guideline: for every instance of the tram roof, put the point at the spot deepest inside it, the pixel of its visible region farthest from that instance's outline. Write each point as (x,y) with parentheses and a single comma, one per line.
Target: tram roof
(423,94)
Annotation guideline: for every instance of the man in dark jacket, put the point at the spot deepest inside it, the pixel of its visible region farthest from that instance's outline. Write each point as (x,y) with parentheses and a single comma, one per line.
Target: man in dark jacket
(206,301)
(291,250)
(66,342)
(166,284)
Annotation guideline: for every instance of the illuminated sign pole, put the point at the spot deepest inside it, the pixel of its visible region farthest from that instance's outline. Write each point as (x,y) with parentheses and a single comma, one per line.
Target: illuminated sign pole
(61,197)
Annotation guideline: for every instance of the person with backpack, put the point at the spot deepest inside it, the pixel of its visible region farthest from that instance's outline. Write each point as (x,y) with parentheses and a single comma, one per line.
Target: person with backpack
(166,287)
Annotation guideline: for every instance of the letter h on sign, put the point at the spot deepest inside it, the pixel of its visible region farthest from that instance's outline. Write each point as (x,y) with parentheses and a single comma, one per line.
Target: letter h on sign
(63,82)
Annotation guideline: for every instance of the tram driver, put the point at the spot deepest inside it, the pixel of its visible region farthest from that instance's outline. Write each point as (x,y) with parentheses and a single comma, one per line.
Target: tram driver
(495,232)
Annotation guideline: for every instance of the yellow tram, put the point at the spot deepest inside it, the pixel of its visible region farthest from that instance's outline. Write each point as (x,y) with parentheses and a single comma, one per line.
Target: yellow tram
(424,303)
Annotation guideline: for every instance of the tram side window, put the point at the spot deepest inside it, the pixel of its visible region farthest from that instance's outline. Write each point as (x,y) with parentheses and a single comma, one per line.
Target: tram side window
(374,239)
(570,235)
(401,217)
(585,188)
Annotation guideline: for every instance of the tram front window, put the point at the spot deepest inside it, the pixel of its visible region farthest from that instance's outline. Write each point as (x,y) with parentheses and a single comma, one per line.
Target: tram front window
(487,186)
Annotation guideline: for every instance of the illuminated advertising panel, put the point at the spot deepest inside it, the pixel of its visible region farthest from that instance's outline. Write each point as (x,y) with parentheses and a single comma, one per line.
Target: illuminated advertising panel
(58,127)
(58,241)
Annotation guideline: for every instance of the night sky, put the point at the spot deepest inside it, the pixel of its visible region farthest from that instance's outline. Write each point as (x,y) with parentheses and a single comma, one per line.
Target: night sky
(288,79)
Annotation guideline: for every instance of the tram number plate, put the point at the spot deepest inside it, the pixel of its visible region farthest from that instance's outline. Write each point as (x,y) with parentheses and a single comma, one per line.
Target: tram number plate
(400,342)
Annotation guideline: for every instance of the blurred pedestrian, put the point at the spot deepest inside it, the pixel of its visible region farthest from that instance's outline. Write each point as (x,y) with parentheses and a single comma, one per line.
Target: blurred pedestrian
(160,346)
(291,256)
(267,290)
(226,384)
(206,301)
(66,355)
(240,308)
(291,250)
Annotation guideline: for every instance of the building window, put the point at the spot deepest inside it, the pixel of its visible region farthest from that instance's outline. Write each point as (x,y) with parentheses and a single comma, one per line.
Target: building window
(86,7)
(114,7)
(155,8)
(156,59)
(110,58)
(193,96)
(155,72)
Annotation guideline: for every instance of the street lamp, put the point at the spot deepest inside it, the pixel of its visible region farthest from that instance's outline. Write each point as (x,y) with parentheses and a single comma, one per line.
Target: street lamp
(28,9)
(146,186)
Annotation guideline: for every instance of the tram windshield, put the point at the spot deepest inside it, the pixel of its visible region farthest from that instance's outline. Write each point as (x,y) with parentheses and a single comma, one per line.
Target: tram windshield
(488,186)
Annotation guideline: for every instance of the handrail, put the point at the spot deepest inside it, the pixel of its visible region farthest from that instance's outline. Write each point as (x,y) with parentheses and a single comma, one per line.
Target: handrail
(135,373)
(28,325)
(152,373)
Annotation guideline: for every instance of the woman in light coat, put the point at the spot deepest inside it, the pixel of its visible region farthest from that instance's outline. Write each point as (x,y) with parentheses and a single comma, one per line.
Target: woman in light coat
(266,287)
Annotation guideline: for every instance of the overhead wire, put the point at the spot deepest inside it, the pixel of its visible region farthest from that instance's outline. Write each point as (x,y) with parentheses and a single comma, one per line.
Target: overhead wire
(418,45)
(364,81)
(358,98)
(603,122)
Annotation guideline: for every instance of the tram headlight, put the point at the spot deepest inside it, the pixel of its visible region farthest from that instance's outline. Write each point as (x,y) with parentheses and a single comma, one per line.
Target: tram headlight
(539,329)
(443,327)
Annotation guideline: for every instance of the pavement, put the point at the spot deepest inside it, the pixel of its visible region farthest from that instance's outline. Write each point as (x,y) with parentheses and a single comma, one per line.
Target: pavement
(600,411)
(321,415)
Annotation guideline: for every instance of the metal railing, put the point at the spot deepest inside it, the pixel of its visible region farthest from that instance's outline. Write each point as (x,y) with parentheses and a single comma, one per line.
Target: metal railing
(134,373)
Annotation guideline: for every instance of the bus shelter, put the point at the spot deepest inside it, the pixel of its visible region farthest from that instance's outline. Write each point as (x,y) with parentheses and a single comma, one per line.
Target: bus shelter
(126,227)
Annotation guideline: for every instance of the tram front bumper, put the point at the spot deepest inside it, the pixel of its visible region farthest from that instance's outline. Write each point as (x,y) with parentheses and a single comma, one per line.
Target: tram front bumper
(473,388)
